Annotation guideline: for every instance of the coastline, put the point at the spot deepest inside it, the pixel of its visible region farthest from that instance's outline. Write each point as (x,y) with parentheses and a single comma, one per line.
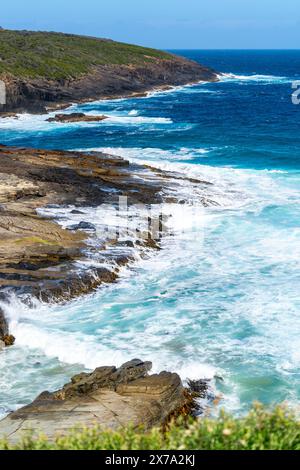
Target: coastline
(34,93)
(64,105)
(41,259)
(53,273)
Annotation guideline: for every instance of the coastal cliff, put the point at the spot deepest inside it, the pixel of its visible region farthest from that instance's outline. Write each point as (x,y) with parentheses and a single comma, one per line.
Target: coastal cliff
(42,70)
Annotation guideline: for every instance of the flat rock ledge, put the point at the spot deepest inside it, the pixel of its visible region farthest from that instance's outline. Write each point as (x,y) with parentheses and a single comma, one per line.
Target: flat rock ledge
(109,397)
(76,117)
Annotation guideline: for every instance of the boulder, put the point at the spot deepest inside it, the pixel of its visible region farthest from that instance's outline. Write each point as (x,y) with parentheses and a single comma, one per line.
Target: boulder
(83,226)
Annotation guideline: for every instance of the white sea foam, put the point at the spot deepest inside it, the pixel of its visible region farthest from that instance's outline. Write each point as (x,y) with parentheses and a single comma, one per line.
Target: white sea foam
(118,119)
(156,155)
(40,327)
(133,112)
(174,89)
(39,123)
(263,79)
(232,187)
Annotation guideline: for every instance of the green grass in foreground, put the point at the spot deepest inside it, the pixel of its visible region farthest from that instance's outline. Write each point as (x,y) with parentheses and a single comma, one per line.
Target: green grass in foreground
(60,56)
(259,430)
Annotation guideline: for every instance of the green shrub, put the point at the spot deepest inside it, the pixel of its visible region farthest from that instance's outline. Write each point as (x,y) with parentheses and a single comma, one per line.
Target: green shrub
(259,430)
(64,56)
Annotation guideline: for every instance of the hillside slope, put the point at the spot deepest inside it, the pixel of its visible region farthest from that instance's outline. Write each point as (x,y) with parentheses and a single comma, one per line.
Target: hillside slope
(41,68)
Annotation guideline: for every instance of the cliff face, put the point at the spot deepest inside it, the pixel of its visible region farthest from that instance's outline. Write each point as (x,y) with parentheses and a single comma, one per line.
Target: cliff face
(48,69)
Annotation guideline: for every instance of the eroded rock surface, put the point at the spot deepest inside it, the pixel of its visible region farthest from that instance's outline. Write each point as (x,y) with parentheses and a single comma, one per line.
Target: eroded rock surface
(109,397)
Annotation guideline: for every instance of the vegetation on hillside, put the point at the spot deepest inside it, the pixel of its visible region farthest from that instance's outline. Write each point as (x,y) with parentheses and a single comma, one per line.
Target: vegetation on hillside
(61,56)
(259,430)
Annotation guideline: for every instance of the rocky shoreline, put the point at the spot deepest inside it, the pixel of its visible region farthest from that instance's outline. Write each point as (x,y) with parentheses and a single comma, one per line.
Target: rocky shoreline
(51,250)
(41,258)
(38,256)
(103,82)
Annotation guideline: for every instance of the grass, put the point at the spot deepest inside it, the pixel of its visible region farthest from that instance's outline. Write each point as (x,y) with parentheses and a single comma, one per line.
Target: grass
(62,56)
(34,240)
(261,429)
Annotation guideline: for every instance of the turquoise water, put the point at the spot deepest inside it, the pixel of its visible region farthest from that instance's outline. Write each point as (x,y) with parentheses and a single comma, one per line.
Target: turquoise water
(223,298)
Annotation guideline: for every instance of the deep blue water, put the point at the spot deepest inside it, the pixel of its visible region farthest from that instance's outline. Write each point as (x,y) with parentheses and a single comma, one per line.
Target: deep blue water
(228,305)
(247,123)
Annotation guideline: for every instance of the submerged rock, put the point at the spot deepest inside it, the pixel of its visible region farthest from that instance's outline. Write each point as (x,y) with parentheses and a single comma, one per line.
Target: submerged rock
(83,226)
(110,397)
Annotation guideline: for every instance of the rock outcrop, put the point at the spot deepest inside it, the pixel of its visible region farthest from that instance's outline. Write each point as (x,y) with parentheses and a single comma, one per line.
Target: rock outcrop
(109,397)
(76,117)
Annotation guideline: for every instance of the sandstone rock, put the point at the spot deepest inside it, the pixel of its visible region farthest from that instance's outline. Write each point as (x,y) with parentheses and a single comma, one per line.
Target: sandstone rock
(9,115)
(110,397)
(105,378)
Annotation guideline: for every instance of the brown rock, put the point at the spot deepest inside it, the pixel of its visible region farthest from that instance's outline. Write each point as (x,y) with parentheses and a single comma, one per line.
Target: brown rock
(110,397)
(9,340)
(5,338)
(3,328)
(76,117)
(9,115)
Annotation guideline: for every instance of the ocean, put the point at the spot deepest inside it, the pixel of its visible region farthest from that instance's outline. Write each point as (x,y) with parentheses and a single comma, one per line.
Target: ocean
(222,301)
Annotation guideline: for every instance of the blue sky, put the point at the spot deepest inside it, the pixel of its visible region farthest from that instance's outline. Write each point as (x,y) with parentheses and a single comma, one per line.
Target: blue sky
(168,24)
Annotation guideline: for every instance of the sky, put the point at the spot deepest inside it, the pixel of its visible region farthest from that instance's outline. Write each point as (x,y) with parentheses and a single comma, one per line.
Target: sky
(165,24)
